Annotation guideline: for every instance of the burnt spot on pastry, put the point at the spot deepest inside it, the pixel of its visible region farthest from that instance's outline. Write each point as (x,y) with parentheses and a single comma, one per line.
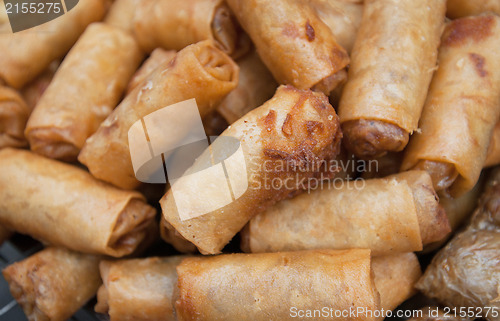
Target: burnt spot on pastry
(468,29)
(479,63)
(310,33)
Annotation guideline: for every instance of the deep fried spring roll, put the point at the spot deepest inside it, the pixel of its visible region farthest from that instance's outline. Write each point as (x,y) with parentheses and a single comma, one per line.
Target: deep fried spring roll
(272,286)
(461,208)
(5,234)
(14,113)
(285,140)
(121,14)
(33,91)
(343,17)
(157,58)
(296,46)
(86,88)
(174,24)
(464,8)
(139,289)
(353,216)
(199,71)
(462,107)
(53,283)
(493,155)
(395,277)
(256,85)
(27,53)
(383,99)
(68,207)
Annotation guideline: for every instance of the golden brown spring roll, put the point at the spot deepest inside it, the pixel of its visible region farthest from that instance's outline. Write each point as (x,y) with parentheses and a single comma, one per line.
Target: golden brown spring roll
(199,71)
(53,283)
(65,206)
(14,113)
(396,214)
(139,289)
(464,8)
(33,91)
(462,107)
(275,286)
(121,14)
(383,99)
(256,85)
(174,24)
(157,58)
(86,88)
(395,277)
(297,47)
(493,155)
(343,17)
(285,142)
(27,53)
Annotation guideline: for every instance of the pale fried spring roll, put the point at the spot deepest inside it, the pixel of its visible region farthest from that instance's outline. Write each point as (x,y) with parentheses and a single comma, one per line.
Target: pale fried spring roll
(343,17)
(199,71)
(138,289)
(464,8)
(157,58)
(27,53)
(256,85)
(121,14)
(53,283)
(14,113)
(493,155)
(297,47)
(390,215)
(383,99)
(88,85)
(174,24)
(275,286)
(462,107)
(65,206)
(285,142)
(395,277)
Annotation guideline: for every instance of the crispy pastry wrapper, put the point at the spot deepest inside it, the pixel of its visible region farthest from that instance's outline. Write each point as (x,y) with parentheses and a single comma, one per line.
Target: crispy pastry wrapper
(68,207)
(33,91)
(157,58)
(199,71)
(343,17)
(121,14)
(174,24)
(138,289)
(53,283)
(286,140)
(96,71)
(462,107)
(395,277)
(297,47)
(266,286)
(459,209)
(349,217)
(14,113)
(386,87)
(493,155)
(27,53)
(464,8)
(256,85)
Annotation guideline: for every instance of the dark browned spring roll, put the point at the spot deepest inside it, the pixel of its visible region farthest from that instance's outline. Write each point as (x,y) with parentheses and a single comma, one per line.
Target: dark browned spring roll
(296,46)
(199,71)
(174,24)
(396,214)
(14,113)
(86,88)
(383,99)
(27,53)
(53,283)
(138,289)
(65,206)
(462,107)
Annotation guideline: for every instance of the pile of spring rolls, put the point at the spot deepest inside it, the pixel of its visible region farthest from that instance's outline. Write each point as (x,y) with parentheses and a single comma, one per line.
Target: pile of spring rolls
(362,130)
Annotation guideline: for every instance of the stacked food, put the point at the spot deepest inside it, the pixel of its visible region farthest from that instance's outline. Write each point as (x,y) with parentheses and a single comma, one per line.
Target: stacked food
(353,139)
